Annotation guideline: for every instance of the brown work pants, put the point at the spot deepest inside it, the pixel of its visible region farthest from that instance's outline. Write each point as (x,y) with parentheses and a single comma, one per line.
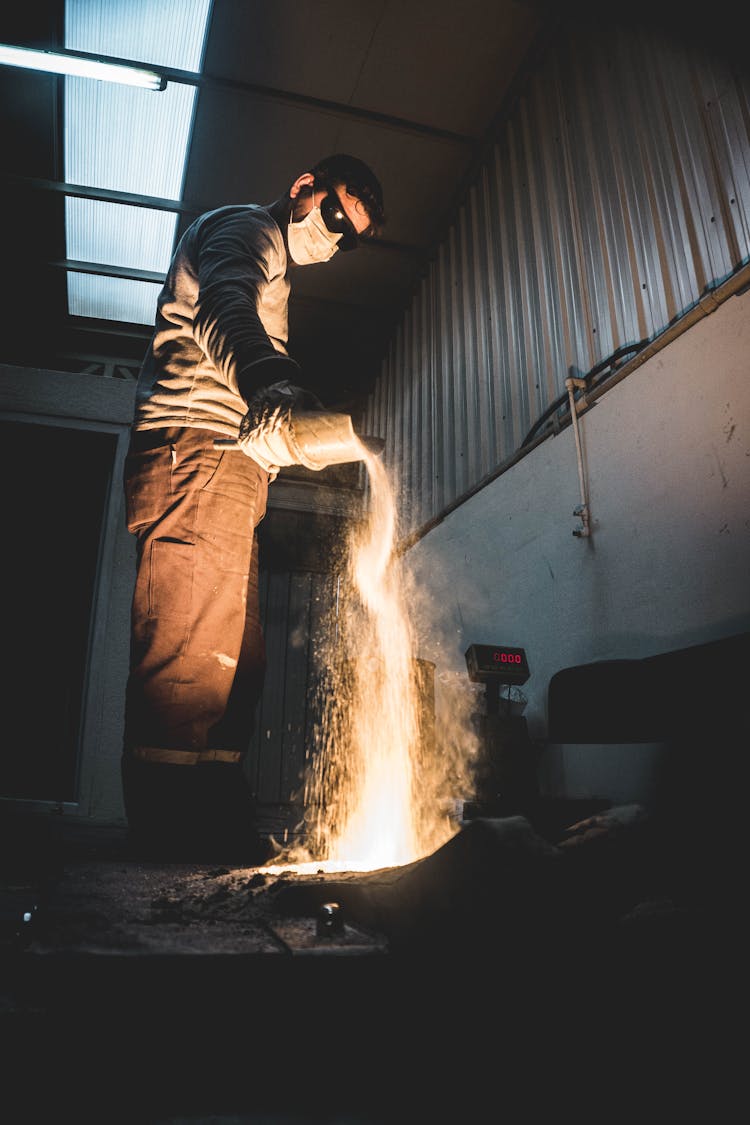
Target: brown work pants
(197,656)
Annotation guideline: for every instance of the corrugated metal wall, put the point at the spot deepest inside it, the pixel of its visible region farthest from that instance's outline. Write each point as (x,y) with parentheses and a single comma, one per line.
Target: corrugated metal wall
(615,195)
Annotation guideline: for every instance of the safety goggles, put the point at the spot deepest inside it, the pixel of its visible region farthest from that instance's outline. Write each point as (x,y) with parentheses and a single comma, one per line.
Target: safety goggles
(337,221)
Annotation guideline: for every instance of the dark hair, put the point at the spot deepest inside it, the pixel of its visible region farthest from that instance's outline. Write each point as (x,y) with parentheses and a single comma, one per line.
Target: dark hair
(358,179)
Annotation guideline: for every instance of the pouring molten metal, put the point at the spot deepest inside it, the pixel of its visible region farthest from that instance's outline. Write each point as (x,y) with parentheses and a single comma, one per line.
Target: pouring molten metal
(376,791)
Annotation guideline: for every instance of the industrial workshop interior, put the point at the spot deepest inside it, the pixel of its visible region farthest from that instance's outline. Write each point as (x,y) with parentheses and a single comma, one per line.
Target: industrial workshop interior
(496,763)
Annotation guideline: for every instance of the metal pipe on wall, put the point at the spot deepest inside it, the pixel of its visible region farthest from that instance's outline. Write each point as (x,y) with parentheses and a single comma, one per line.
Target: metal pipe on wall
(582,510)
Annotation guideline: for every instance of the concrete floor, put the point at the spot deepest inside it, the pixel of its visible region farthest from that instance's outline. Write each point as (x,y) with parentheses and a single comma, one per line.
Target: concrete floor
(502,973)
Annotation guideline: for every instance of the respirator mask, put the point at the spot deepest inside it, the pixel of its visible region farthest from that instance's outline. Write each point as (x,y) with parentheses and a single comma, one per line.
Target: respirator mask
(322,232)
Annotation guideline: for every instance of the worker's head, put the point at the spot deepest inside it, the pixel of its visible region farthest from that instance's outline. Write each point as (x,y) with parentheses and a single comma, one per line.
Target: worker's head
(335,205)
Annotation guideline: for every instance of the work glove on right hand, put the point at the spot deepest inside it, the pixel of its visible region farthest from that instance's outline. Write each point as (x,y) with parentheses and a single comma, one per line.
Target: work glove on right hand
(270,409)
(269,413)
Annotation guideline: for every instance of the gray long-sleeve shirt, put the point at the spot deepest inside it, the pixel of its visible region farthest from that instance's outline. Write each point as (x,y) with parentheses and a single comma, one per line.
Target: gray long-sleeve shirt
(222,313)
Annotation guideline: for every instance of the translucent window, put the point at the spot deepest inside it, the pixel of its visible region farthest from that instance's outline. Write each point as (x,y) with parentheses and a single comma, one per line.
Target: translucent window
(126,139)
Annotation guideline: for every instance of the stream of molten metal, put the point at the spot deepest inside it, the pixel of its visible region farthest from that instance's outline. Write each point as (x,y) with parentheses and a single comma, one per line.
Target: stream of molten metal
(373,795)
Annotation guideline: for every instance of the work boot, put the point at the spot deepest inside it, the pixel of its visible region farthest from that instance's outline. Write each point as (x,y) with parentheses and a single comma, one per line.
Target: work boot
(162,807)
(191,813)
(228,820)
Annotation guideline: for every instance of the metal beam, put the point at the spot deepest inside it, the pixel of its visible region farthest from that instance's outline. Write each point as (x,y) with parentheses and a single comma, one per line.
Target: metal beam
(102,270)
(106,195)
(304,101)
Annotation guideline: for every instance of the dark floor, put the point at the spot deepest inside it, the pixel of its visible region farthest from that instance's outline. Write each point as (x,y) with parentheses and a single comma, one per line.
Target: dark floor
(504,972)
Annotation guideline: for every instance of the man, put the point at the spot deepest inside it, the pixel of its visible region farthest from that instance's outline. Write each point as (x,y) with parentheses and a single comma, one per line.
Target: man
(216,368)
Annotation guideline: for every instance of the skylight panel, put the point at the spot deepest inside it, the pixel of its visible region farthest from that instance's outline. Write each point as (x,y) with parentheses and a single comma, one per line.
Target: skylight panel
(158,32)
(95,296)
(115,234)
(129,140)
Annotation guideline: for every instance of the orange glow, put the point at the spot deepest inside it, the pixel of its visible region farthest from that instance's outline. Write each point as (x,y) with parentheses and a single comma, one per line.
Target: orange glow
(376,794)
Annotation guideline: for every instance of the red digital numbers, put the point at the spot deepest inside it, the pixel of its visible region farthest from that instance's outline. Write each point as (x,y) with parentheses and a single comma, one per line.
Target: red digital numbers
(507,657)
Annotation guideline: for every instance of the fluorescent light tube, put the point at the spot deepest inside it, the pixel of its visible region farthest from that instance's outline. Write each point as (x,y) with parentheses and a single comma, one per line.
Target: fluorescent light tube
(80,65)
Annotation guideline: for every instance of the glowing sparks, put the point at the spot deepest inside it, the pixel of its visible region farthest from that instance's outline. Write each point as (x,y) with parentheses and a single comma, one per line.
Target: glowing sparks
(373,796)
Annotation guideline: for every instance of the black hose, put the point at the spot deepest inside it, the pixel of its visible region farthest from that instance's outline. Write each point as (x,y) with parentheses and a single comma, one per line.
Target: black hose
(555,406)
(603,365)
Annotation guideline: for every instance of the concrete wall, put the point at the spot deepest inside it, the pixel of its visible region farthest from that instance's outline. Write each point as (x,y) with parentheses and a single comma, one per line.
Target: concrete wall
(667,457)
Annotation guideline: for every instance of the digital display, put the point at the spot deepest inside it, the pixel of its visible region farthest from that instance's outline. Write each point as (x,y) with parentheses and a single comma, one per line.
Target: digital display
(504,663)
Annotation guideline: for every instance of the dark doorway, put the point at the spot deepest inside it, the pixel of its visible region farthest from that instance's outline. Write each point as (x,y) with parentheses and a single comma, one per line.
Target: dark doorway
(56,480)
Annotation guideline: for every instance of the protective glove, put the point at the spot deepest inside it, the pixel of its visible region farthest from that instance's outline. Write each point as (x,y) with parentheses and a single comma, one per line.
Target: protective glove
(270,409)
(269,412)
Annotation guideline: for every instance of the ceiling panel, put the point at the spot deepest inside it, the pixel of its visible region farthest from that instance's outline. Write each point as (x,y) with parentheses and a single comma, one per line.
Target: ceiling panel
(447,65)
(312,47)
(437,62)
